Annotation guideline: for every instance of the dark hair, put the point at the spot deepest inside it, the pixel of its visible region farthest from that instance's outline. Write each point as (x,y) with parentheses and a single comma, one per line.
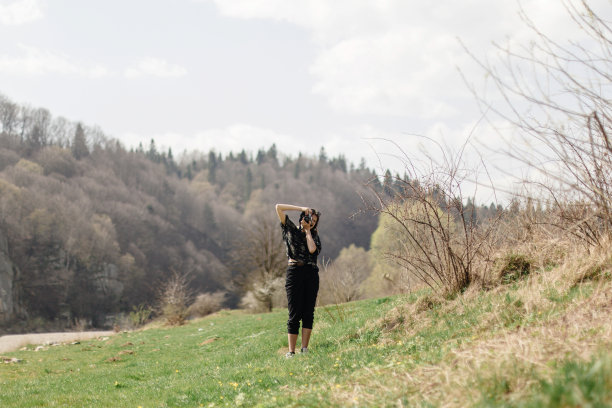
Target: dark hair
(314,212)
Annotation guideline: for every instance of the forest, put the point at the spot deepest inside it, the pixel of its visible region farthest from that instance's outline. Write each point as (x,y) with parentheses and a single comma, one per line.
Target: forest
(89,228)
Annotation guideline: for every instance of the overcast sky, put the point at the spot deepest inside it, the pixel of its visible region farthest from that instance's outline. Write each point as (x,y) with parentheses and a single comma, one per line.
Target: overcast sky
(234,74)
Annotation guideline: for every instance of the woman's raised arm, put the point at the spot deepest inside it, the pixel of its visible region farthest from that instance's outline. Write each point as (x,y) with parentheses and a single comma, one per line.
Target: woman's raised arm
(281,208)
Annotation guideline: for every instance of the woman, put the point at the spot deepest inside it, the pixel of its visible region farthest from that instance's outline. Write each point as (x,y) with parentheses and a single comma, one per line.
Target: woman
(302,285)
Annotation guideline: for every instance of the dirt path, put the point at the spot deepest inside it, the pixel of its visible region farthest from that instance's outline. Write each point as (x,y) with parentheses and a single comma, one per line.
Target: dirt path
(13,342)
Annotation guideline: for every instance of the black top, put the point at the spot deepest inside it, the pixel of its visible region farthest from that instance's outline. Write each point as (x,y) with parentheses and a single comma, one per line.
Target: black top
(297,247)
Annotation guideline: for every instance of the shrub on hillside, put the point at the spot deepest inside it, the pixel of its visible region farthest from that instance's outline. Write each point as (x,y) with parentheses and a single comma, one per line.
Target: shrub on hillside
(174,296)
(207,303)
(255,300)
(514,267)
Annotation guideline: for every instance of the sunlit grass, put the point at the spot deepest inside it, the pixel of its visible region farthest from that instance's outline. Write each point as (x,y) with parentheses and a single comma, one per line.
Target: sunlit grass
(482,348)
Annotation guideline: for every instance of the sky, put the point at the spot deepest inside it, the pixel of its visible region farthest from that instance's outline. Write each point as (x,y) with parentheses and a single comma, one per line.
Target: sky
(365,79)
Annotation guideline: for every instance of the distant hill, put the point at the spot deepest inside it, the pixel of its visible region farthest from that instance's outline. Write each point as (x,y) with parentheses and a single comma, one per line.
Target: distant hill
(92,228)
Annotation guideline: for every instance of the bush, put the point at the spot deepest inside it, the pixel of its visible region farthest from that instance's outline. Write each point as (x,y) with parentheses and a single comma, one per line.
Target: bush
(514,267)
(173,299)
(207,303)
(256,300)
(140,315)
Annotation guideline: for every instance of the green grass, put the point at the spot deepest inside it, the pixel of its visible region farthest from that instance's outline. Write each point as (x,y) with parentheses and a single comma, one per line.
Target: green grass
(226,359)
(573,384)
(360,353)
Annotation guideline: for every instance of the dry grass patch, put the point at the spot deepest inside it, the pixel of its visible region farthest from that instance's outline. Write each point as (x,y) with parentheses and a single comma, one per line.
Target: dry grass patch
(514,359)
(516,354)
(522,331)
(406,317)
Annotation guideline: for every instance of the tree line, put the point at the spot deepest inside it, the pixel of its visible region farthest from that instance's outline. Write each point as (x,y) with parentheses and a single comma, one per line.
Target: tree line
(94,228)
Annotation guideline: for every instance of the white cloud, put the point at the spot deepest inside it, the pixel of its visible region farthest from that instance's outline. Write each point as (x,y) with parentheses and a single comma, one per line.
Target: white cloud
(41,62)
(154,67)
(398,57)
(37,62)
(21,12)
(386,74)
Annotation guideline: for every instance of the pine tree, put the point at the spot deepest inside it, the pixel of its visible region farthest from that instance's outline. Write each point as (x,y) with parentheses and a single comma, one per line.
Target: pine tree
(388,184)
(249,183)
(322,155)
(212,167)
(243,157)
(79,143)
(271,155)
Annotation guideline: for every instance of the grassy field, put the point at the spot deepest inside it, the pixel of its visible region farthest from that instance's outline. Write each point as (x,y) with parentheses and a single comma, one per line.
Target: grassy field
(542,341)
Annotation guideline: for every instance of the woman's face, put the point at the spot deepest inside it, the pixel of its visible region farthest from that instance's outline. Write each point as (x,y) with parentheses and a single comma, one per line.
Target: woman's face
(313,219)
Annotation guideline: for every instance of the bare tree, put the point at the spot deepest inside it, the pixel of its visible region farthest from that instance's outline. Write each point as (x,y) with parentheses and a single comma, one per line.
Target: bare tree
(9,113)
(439,239)
(174,298)
(341,281)
(260,261)
(558,95)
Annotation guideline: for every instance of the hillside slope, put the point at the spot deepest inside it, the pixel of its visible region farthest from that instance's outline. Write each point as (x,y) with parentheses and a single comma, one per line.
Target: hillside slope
(544,340)
(90,229)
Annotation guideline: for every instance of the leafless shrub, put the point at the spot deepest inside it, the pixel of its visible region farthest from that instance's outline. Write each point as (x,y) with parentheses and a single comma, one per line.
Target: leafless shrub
(256,299)
(81,324)
(207,303)
(328,295)
(557,95)
(439,238)
(137,317)
(533,232)
(249,303)
(174,296)
(341,281)
(260,262)
(140,315)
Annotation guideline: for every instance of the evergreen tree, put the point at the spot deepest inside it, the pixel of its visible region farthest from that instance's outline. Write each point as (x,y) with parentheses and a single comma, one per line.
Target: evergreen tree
(242,157)
(271,154)
(362,164)
(79,143)
(322,155)
(212,167)
(296,170)
(249,183)
(152,153)
(261,157)
(388,184)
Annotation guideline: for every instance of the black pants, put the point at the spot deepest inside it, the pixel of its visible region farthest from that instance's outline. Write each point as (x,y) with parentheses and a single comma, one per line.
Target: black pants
(302,286)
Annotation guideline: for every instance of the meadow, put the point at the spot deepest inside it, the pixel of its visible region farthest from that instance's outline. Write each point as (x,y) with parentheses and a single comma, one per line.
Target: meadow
(542,340)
